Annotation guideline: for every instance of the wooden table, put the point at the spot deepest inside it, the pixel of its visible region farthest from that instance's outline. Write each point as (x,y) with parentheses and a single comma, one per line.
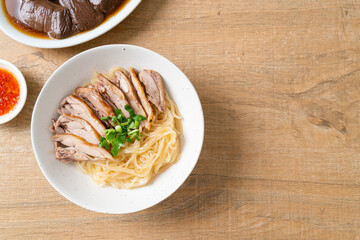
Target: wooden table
(279,82)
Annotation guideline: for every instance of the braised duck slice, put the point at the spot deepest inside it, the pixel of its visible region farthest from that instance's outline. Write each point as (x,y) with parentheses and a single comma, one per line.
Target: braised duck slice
(73,105)
(154,88)
(111,94)
(104,5)
(48,17)
(71,148)
(76,126)
(97,104)
(83,14)
(122,82)
(142,97)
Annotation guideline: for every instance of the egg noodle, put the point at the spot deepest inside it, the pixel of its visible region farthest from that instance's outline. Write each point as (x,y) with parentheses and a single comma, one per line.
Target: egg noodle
(137,163)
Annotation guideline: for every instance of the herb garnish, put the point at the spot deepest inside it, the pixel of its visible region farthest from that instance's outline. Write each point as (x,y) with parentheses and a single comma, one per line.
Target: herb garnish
(126,129)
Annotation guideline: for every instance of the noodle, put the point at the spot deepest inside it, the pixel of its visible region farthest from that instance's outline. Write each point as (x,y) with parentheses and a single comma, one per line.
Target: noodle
(137,163)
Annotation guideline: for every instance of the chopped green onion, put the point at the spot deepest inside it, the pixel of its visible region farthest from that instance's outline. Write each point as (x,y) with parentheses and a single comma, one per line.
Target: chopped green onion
(132,125)
(139,118)
(130,110)
(110,130)
(118,111)
(103,143)
(127,129)
(133,131)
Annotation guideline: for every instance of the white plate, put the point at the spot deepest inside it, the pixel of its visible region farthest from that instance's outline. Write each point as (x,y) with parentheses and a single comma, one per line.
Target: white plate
(79,188)
(17,35)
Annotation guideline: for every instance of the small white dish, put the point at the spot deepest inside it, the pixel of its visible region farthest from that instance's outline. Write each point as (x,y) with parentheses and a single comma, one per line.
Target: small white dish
(79,188)
(23,91)
(23,38)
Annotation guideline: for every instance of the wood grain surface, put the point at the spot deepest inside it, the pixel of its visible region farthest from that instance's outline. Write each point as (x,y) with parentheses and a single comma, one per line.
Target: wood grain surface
(279,83)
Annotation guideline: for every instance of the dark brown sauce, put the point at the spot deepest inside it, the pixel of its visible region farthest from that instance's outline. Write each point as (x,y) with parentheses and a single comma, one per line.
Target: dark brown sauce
(12,13)
(118,8)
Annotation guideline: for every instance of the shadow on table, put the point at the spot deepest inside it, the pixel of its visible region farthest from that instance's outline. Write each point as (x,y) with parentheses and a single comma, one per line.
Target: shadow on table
(207,191)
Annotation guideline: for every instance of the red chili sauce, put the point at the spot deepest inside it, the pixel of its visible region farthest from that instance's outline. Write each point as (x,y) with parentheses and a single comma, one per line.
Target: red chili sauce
(9,91)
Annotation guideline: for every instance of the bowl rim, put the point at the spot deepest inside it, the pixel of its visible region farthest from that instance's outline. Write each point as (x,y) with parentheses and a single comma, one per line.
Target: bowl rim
(196,155)
(23,91)
(76,39)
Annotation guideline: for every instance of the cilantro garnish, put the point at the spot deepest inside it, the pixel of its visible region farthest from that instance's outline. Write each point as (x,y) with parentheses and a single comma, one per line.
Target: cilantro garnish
(126,129)
(105,118)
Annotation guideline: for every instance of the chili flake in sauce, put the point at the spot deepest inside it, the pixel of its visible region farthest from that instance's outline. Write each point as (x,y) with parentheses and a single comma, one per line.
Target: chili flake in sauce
(9,91)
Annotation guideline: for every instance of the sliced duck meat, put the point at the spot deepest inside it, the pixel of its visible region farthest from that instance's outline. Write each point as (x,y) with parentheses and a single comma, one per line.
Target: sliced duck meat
(142,97)
(105,6)
(83,14)
(154,88)
(97,104)
(48,17)
(73,105)
(111,94)
(71,148)
(122,82)
(76,126)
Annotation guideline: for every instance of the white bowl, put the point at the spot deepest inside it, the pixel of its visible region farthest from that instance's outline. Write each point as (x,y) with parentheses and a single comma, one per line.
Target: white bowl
(23,91)
(79,188)
(19,36)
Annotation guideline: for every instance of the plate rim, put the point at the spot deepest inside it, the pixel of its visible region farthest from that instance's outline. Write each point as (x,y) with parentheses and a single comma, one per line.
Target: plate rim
(197,154)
